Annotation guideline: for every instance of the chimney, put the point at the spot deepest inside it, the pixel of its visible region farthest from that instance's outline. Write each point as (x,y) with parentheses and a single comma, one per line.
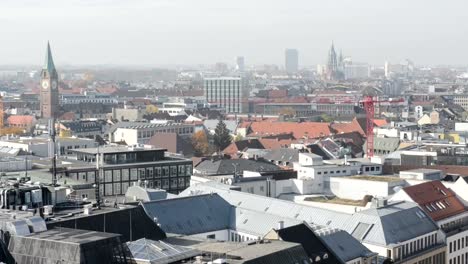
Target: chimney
(280,225)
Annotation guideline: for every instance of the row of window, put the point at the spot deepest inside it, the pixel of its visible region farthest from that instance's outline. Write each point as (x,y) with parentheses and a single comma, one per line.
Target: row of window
(410,248)
(239,238)
(147,173)
(458,244)
(148,134)
(462,259)
(172,185)
(134,174)
(331,172)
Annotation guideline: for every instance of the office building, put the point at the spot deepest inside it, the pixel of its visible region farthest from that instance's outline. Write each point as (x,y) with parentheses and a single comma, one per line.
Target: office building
(291,60)
(225,92)
(124,166)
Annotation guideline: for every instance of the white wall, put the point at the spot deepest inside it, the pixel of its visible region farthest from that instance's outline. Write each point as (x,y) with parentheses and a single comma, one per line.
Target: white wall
(460,187)
(355,189)
(388,132)
(222,235)
(461,127)
(130,136)
(454,240)
(297,186)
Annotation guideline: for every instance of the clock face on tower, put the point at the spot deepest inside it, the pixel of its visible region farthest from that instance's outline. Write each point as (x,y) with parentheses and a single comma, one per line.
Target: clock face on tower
(54,85)
(45,84)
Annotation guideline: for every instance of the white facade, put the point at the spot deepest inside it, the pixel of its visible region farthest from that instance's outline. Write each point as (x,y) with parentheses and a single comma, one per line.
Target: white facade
(456,241)
(225,92)
(460,187)
(407,249)
(141,134)
(387,132)
(461,127)
(43,148)
(422,174)
(355,189)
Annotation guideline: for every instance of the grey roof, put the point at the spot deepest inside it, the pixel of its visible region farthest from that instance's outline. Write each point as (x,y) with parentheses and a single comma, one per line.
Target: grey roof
(344,246)
(258,223)
(271,206)
(210,124)
(190,215)
(142,125)
(283,154)
(388,144)
(147,194)
(272,252)
(159,251)
(394,223)
(228,166)
(71,236)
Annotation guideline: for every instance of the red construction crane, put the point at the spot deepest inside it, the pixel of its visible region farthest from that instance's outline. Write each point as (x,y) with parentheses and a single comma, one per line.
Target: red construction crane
(368,105)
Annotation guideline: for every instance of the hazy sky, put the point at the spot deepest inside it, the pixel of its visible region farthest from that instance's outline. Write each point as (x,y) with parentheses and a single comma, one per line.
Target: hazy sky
(161,32)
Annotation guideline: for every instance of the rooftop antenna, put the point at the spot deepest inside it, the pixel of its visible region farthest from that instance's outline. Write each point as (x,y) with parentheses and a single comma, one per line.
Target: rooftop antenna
(52,135)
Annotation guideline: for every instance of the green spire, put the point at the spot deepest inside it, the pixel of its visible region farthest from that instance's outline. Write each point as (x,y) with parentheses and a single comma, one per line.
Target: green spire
(49,62)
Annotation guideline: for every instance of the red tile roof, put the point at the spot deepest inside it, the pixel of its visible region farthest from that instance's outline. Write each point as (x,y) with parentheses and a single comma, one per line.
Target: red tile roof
(353,126)
(106,90)
(273,143)
(20,120)
(299,130)
(380,122)
(435,199)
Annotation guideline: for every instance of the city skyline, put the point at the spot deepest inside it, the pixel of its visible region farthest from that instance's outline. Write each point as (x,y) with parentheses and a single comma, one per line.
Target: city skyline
(178,32)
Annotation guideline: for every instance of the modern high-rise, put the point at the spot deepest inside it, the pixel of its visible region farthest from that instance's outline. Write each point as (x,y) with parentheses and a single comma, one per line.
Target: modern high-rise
(49,87)
(291,60)
(240,63)
(225,92)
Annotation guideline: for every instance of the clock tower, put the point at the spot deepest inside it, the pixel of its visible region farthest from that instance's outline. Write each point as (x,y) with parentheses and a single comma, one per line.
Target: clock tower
(49,87)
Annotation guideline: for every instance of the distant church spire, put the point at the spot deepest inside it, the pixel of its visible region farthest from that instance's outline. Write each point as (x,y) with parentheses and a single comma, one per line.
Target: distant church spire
(49,61)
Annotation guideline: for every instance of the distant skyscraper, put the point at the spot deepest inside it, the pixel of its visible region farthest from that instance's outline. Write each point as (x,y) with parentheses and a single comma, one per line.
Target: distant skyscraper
(291,60)
(240,64)
(49,87)
(225,92)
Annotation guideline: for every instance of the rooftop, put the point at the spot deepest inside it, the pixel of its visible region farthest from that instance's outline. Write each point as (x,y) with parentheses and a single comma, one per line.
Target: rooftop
(115,149)
(272,252)
(376,178)
(334,200)
(435,199)
(159,251)
(74,236)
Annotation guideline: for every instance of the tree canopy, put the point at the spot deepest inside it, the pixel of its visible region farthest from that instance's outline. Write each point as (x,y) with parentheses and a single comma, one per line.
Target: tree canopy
(222,138)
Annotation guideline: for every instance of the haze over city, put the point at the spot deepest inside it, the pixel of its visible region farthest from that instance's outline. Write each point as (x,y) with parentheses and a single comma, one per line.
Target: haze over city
(169,32)
(233,132)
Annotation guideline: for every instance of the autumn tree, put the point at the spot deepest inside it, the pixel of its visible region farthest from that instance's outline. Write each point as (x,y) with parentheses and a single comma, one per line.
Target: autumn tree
(200,143)
(151,109)
(222,138)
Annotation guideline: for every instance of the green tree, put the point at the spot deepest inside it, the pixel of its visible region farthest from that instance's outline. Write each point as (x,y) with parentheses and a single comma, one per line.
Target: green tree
(326,118)
(200,144)
(221,138)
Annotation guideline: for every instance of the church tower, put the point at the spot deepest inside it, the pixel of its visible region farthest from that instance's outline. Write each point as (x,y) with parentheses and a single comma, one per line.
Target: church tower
(49,87)
(332,65)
